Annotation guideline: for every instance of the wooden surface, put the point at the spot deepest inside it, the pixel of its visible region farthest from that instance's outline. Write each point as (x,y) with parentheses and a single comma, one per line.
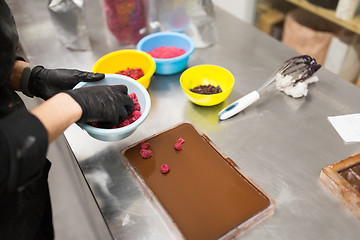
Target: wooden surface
(352,24)
(331,177)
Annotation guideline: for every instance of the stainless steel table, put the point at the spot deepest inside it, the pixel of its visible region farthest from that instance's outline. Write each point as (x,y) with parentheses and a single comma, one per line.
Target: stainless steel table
(280,142)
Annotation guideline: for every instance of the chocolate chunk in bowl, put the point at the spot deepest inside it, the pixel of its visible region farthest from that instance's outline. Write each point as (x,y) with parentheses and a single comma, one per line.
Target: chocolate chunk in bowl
(205,195)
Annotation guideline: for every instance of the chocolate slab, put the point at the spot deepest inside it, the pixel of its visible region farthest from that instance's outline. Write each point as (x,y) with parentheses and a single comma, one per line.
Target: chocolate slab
(205,194)
(343,179)
(352,175)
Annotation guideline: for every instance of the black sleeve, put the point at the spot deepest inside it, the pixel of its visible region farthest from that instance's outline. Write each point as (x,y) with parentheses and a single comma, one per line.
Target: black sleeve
(23,147)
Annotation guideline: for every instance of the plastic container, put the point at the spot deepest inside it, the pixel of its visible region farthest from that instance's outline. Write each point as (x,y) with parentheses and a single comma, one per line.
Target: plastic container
(126,19)
(167,66)
(116,134)
(204,75)
(129,58)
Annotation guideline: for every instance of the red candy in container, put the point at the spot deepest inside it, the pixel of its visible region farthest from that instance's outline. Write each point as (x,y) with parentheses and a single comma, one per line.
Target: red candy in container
(126,19)
(170,50)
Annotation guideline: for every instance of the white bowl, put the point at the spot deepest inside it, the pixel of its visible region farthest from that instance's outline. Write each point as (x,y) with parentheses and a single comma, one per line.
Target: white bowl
(133,86)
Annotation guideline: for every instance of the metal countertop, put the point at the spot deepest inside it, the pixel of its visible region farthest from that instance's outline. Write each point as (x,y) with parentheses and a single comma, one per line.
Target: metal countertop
(280,142)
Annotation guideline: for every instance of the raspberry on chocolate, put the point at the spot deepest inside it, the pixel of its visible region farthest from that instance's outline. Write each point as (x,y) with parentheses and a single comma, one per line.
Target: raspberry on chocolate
(164,168)
(145,153)
(144,145)
(177,145)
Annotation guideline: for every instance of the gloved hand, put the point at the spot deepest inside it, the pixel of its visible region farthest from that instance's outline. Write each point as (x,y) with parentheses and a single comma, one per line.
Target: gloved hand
(45,83)
(106,104)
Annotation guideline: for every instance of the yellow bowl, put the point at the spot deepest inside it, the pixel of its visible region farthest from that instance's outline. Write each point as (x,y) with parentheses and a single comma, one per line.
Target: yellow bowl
(128,58)
(204,75)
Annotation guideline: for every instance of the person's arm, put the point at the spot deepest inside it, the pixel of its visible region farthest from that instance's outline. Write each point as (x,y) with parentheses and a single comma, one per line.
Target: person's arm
(24,136)
(16,74)
(46,83)
(57,114)
(66,112)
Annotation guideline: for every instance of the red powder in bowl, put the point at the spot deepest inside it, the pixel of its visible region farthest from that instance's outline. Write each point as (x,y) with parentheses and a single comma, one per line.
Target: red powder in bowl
(166,52)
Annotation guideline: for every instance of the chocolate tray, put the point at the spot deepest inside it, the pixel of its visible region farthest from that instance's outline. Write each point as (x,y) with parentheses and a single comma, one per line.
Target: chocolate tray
(343,179)
(205,195)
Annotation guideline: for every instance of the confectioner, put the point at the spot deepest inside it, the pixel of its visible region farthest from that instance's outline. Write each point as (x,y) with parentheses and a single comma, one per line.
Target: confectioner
(174,119)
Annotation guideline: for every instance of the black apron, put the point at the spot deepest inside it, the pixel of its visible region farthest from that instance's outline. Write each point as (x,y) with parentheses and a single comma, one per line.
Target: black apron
(25,209)
(26,213)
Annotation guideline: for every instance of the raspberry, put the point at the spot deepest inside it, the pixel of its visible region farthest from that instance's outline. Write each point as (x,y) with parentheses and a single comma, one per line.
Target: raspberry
(177,145)
(164,168)
(133,97)
(144,145)
(95,124)
(136,114)
(134,73)
(124,123)
(136,106)
(145,153)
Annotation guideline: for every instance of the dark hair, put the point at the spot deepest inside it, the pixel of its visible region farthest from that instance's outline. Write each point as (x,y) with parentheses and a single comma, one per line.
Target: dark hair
(8,42)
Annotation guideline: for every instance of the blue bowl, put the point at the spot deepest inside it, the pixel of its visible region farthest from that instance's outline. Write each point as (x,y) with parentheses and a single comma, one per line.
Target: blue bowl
(167,66)
(116,134)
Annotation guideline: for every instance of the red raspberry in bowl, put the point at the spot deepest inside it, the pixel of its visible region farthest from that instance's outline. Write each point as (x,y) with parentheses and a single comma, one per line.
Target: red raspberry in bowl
(132,117)
(134,73)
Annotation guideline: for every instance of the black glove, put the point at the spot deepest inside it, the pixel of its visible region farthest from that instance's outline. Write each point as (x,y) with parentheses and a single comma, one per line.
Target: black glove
(106,104)
(45,83)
